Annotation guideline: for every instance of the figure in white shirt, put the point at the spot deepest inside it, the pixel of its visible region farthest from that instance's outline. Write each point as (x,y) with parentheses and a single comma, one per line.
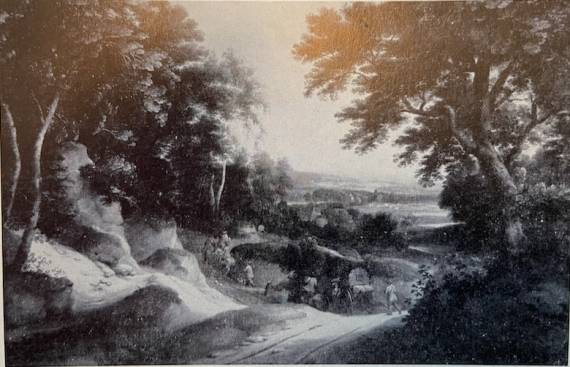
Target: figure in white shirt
(248,272)
(392,298)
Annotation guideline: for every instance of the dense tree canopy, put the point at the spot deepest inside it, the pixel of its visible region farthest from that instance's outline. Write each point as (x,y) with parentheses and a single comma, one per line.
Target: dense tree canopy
(270,182)
(51,53)
(134,83)
(466,78)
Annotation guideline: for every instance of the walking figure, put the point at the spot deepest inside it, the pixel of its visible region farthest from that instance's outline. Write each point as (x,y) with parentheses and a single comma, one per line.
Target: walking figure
(248,271)
(208,249)
(392,298)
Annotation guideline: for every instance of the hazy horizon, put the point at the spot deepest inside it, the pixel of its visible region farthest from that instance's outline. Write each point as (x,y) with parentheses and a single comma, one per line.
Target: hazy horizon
(302,130)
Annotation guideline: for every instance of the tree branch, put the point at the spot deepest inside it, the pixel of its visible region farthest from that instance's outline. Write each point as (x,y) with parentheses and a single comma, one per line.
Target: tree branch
(418,111)
(534,120)
(498,86)
(525,131)
(39,107)
(52,109)
(506,95)
(466,141)
(424,100)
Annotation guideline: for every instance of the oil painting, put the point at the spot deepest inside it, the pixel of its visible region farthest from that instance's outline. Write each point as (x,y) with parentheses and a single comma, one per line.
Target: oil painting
(261,182)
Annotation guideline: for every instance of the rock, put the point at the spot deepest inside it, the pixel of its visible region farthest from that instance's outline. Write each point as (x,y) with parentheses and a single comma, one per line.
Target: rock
(101,247)
(97,229)
(107,272)
(124,270)
(33,297)
(146,235)
(149,306)
(179,263)
(96,285)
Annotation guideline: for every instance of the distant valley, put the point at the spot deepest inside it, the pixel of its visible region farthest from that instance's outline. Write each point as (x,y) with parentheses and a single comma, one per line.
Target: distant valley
(369,196)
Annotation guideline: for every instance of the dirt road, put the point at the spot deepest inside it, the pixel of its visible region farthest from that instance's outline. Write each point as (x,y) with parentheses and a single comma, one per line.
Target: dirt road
(315,338)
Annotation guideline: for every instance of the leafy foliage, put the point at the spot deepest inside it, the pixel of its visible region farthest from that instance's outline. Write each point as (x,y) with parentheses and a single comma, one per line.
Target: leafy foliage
(543,210)
(378,226)
(137,87)
(55,57)
(512,313)
(397,55)
(158,139)
(468,197)
(269,183)
(464,81)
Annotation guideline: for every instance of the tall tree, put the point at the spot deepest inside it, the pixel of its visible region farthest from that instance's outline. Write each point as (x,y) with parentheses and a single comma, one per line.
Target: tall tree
(462,74)
(270,183)
(165,155)
(10,129)
(48,52)
(132,129)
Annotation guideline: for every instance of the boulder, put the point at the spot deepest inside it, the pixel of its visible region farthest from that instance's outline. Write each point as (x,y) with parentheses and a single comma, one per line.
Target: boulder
(152,306)
(178,263)
(124,270)
(97,229)
(107,248)
(146,235)
(97,286)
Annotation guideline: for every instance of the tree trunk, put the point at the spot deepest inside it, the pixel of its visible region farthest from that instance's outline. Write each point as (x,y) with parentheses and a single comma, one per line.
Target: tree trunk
(26,241)
(221,189)
(11,128)
(212,196)
(502,181)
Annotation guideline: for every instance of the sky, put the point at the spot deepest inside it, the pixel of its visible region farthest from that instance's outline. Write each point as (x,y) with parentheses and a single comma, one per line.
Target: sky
(303,130)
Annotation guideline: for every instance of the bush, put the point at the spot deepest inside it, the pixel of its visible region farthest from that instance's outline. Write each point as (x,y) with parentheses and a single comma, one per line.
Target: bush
(379,231)
(379,226)
(471,200)
(515,313)
(545,213)
(340,218)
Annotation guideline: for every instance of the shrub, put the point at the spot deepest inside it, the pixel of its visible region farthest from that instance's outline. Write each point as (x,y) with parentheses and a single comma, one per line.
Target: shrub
(340,218)
(545,213)
(379,230)
(514,313)
(379,226)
